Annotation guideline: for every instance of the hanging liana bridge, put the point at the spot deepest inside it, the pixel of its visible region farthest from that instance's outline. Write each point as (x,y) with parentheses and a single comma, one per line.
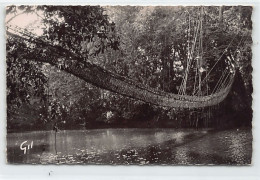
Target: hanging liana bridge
(75,64)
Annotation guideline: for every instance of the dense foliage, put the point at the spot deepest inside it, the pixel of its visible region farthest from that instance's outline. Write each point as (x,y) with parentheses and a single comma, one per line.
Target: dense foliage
(147,44)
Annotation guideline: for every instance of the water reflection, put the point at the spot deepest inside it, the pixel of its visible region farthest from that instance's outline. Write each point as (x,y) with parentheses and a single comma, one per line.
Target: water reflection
(181,155)
(238,145)
(133,146)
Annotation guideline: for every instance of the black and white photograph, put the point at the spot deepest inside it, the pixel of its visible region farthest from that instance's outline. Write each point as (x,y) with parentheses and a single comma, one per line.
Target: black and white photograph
(129,85)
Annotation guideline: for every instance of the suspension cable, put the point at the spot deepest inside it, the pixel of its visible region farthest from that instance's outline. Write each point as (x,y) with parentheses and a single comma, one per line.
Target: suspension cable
(216,62)
(219,81)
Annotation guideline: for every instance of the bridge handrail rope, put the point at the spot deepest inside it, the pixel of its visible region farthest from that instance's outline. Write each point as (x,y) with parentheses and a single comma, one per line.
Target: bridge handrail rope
(208,74)
(220,80)
(227,67)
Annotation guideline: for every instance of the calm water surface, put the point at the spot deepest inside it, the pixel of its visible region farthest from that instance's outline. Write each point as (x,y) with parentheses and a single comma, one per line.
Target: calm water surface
(132,146)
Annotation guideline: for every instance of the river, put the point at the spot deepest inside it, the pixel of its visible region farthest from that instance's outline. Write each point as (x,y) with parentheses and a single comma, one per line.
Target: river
(131,146)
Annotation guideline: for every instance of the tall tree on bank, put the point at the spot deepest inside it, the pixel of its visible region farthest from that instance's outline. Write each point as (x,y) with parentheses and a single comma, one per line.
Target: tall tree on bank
(85,31)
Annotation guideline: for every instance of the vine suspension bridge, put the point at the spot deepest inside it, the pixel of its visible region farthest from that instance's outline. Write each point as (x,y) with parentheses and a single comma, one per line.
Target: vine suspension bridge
(108,80)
